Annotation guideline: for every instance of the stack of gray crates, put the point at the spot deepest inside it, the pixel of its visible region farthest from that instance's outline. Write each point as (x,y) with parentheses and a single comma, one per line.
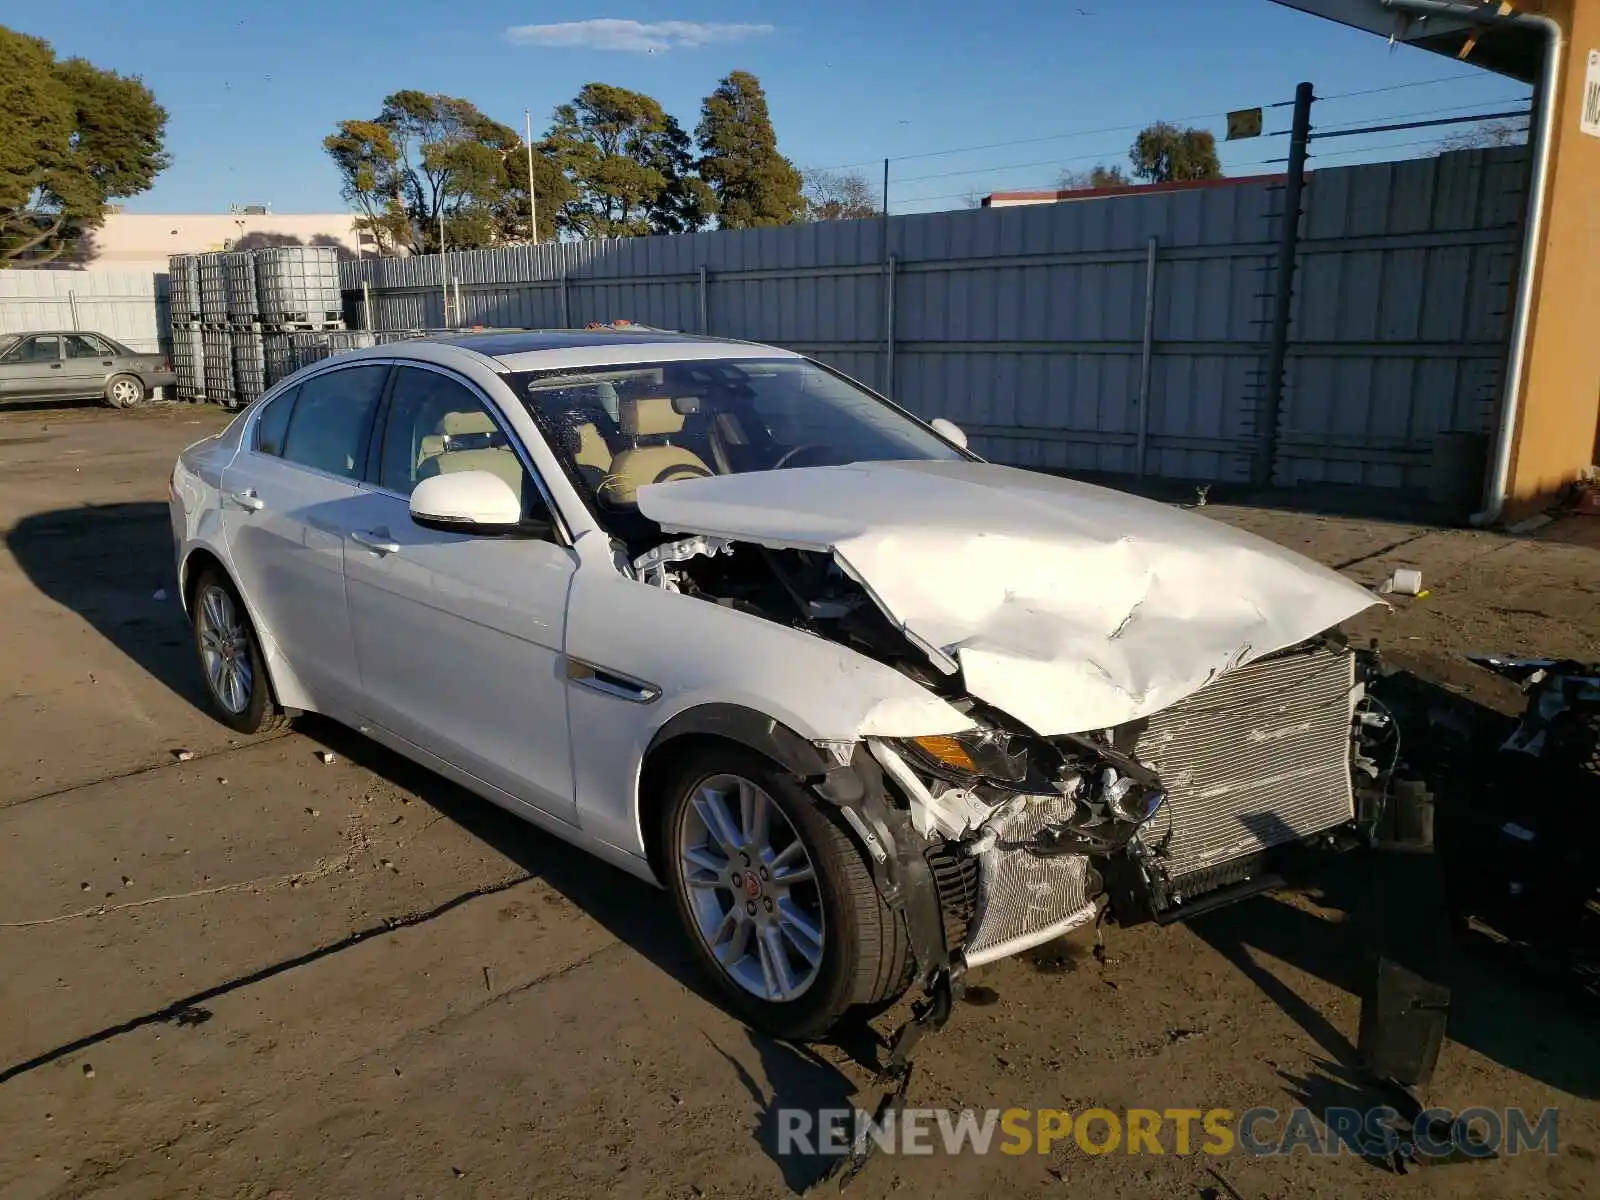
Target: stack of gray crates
(251,305)
(183,299)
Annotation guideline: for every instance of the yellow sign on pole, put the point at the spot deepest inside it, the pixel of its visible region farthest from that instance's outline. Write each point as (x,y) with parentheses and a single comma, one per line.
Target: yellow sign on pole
(1245,123)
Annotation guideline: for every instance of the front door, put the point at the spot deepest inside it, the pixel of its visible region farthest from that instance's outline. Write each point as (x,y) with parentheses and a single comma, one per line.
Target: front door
(459,638)
(33,369)
(289,499)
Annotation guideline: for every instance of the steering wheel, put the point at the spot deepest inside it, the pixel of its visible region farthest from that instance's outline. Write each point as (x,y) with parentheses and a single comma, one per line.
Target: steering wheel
(789,455)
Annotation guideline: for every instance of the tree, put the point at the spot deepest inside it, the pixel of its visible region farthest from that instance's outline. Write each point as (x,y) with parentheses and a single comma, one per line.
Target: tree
(754,185)
(1163,153)
(837,196)
(369,174)
(428,157)
(1099,176)
(628,165)
(73,137)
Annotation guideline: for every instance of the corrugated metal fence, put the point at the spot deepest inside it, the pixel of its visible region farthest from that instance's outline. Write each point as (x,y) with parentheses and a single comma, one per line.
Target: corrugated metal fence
(130,306)
(1026,325)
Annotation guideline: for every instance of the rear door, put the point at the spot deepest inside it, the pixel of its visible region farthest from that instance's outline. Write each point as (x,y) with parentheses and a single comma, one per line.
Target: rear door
(33,369)
(459,637)
(288,499)
(87,366)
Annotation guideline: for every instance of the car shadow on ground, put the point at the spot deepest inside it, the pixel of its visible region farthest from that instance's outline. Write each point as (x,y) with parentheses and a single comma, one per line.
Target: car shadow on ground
(1405,906)
(109,563)
(638,915)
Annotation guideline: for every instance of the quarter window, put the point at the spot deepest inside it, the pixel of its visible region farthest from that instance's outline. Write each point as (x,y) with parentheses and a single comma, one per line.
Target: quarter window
(332,418)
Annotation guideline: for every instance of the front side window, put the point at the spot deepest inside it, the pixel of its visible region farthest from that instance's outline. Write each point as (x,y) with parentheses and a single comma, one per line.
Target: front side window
(621,428)
(45,349)
(332,418)
(437,425)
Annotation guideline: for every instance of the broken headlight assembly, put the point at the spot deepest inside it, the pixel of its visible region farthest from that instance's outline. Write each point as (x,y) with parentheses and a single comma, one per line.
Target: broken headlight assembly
(990,754)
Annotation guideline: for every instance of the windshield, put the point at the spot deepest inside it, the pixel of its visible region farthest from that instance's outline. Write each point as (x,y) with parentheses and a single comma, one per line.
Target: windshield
(620,428)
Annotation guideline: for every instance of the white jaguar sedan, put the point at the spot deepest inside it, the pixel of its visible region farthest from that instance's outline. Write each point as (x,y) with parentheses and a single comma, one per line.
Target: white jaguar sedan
(872,710)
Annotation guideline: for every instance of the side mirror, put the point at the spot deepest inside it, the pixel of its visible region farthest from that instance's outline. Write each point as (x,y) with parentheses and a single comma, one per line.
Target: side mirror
(949,431)
(474,502)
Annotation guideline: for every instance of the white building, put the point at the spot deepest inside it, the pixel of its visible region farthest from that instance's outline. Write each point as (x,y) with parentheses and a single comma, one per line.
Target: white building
(142,241)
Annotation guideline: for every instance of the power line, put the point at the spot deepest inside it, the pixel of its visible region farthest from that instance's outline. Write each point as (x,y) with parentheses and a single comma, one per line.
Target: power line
(1263,162)
(1054,137)
(1426,112)
(1101,154)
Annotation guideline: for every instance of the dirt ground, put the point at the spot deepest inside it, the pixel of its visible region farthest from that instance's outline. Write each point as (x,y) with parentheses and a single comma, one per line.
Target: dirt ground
(253,974)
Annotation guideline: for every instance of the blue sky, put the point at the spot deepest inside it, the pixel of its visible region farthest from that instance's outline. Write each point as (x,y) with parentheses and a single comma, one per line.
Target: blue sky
(253,89)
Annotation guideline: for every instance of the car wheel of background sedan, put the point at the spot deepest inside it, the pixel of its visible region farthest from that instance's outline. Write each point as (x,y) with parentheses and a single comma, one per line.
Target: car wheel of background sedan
(230,658)
(778,900)
(124,391)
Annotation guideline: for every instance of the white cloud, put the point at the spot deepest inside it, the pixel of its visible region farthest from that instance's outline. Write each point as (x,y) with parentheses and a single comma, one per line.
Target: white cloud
(638,37)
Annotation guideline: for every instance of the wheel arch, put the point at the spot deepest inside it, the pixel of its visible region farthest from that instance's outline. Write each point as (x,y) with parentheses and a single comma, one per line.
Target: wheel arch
(281,678)
(730,723)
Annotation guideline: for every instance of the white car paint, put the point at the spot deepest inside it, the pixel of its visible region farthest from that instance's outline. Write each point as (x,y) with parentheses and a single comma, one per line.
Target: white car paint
(456,651)
(1068,606)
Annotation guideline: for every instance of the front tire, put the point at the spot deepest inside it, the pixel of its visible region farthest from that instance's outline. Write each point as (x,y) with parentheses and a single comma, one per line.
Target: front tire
(124,391)
(231,661)
(775,896)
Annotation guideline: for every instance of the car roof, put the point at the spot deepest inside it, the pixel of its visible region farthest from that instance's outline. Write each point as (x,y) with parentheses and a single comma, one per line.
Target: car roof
(22,333)
(536,349)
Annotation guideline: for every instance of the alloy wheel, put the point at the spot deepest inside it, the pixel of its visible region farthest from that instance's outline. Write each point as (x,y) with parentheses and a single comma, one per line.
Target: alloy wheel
(225,650)
(751,887)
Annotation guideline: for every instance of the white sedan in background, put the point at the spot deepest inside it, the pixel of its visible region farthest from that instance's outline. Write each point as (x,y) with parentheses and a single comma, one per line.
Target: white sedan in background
(872,710)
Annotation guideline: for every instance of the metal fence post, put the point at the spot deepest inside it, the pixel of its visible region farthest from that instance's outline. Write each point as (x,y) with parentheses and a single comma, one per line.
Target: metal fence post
(705,303)
(888,326)
(566,304)
(72,302)
(1147,353)
(1283,297)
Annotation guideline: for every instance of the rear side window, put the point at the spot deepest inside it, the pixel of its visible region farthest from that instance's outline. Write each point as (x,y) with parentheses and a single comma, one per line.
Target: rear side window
(82,345)
(274,423)
(332,419)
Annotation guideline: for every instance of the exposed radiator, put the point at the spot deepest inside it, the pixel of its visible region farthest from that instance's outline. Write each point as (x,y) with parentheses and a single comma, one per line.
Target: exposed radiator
(1024,898)
(1257,758)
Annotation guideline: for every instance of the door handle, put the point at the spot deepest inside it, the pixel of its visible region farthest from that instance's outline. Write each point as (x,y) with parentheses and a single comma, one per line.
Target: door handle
(377,540)
(248,499)
(55,366)
(108,363)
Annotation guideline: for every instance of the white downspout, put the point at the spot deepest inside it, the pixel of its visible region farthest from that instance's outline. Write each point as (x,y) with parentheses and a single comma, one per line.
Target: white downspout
(1494,495)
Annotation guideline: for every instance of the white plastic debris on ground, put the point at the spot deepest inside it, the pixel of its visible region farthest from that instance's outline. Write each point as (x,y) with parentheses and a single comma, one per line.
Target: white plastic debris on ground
(1071,607)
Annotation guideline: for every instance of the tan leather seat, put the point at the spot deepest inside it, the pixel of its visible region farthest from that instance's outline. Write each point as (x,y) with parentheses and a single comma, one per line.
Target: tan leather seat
(470,441)
(645,418)
(592,450)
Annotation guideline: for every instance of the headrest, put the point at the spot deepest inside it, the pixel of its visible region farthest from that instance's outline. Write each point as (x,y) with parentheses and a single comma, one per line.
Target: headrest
(650,416)
(459,424)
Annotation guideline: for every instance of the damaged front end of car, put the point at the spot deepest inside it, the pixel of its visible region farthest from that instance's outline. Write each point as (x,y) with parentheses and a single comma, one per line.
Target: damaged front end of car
(999,838)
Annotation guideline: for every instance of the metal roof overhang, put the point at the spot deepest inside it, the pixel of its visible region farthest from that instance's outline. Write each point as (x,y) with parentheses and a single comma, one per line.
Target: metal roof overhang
(1504,48)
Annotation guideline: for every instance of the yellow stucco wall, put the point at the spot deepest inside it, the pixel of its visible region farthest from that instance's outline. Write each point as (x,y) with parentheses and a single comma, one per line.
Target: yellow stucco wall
(1559,423)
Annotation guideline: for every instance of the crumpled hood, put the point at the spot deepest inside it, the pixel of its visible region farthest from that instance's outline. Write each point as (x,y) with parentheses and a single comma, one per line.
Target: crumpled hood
(1068,606)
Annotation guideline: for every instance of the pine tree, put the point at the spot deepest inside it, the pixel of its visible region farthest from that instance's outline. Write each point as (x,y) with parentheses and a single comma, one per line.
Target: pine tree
(753,183)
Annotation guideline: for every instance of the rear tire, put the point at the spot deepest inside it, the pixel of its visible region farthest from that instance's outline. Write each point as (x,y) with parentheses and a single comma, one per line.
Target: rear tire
(124,391)
(231,662)
(864,959)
